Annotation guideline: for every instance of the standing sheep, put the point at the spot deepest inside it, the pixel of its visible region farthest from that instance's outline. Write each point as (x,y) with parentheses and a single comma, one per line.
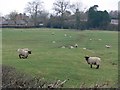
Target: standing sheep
(93,61)
(24,52)
(76,45)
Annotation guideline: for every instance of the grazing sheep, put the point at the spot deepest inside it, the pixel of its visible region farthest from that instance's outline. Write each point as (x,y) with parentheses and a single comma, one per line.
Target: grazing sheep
(76,45)
(107,46)
(23,52)
(63,47)
(90,39)
(99,39)
(93,61)
(65,35)
(71,47)
(84,48)
(53,33)
(53,42)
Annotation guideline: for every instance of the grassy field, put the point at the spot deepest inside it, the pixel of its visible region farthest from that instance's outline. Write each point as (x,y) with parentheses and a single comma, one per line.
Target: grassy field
(52,62)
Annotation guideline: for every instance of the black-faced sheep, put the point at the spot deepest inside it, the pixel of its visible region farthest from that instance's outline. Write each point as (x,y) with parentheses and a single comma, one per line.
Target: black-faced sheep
(76,45)
(93,61)
(23,52)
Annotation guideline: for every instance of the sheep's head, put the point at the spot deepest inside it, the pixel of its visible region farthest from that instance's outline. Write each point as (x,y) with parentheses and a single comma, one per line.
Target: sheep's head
(86,58)
(29,52)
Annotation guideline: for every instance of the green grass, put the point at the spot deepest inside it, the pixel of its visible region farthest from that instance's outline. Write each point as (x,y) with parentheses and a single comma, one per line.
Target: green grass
(50,61)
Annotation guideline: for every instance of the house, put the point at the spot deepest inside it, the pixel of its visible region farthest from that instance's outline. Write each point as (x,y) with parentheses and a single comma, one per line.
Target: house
(20,20)
(3,21)
(114,21)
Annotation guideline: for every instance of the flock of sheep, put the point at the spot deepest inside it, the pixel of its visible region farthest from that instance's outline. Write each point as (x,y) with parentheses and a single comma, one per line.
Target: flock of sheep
(24,53)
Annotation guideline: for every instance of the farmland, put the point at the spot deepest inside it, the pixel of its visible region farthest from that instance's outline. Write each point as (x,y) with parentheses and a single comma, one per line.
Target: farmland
(52,62)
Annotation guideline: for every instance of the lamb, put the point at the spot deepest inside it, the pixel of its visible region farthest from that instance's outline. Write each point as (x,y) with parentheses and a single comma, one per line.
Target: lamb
(93,61)
(23,52)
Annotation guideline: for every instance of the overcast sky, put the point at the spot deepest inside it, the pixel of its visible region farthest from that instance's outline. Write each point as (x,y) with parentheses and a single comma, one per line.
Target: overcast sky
(7,6)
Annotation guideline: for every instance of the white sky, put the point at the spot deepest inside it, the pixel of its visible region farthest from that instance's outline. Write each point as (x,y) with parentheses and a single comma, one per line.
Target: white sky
(7,6)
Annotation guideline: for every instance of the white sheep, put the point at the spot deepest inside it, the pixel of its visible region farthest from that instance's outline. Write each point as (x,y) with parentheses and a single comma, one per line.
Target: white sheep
(53,42)
(53,33)
(65,35)
(93,61)
(84,48)
(99,39)
(63,47)
(90,39)
(71,47)
(23,52)
(107,46)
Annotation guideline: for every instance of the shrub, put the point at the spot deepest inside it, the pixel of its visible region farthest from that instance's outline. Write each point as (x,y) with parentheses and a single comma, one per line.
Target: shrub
(14,79)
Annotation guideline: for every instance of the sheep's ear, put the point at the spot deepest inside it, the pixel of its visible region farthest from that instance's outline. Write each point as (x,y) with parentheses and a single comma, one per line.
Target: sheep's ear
(86,57)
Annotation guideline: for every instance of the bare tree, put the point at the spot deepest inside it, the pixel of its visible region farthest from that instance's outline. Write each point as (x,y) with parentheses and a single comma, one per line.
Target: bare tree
(60,7)
(12,16)
(77,9)
(42,18)
(76,6)
(34,8)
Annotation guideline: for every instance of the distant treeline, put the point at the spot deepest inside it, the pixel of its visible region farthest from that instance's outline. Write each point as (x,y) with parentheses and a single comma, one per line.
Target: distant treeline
(84,27)
(92,19)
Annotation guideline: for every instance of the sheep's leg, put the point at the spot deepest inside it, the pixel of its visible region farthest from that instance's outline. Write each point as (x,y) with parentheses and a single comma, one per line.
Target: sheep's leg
(23,57)
(97,67)
(20,56)
(26,56)
(91,65)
